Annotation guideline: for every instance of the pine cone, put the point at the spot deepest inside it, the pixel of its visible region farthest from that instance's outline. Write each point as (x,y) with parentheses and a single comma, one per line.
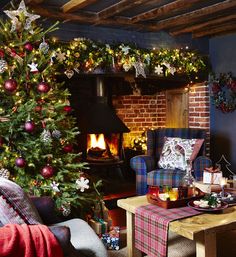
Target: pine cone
(56,134)
(4,173)
(46,136)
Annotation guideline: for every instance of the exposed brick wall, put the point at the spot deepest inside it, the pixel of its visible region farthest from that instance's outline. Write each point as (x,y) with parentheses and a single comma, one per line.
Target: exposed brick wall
(199,109)
(142,112)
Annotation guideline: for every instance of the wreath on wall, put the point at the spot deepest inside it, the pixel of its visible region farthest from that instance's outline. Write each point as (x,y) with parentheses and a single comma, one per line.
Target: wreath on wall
(224,92)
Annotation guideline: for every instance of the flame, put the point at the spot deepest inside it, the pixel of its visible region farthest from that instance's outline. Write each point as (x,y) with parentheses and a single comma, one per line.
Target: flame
(97,141)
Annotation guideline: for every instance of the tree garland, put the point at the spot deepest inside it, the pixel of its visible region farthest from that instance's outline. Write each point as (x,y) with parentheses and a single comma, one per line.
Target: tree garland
(224,93)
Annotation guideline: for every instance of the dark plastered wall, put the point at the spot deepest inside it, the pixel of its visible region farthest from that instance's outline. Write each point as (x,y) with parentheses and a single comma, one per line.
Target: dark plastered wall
(223,125)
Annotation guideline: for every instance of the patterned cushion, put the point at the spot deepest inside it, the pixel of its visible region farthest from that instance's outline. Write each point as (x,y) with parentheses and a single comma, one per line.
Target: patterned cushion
(15,205)
(177,152)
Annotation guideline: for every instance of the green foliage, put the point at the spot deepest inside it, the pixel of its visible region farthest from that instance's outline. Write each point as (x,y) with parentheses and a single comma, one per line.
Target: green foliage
(54,127)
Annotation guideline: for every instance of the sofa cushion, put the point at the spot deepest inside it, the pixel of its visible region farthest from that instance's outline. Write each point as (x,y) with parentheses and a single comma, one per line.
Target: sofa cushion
(176,152)
(84,239)
(15,205)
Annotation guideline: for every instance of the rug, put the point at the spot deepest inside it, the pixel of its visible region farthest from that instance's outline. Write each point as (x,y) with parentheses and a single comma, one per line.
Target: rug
(178,246)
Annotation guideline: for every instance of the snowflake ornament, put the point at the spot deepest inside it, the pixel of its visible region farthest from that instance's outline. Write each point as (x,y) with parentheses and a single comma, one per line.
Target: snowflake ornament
(33,67)
(61,56)
(54,186)
(158,70)
(82,184)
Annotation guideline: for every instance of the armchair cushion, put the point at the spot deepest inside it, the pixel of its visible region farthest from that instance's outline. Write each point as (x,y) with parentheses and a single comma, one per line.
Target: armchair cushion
(15,206)
(177,152)
(163,177)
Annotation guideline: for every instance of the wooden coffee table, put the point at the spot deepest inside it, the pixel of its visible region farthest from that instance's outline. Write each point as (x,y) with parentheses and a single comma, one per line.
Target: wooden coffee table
(201,228)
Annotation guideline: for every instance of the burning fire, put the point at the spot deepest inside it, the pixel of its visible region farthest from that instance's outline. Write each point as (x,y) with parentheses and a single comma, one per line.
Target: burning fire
(97,141)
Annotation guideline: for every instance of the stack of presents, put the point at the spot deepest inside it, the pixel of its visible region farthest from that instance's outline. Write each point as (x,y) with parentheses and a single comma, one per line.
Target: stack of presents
(212,180)
(101,223)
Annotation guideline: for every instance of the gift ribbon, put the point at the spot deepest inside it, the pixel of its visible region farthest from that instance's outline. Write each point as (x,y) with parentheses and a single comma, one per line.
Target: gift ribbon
(102,222)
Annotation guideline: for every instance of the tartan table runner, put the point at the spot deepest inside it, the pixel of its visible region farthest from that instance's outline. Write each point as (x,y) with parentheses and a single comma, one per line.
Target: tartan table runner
(151,227)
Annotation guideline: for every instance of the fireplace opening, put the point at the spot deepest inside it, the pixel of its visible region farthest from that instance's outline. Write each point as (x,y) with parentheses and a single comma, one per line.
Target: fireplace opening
(102,147)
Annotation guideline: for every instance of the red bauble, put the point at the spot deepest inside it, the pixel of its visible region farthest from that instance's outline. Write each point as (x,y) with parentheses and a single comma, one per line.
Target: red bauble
(20,162)
(43,87)
(68,148)
(10,85)
(38,108)
(67,108)
(29,126)
(28,47)
(47,171)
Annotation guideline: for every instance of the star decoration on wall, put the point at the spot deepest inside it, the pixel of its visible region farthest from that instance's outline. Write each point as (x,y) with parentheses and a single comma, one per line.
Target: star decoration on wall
(158,70)
(15,14)
(61,56)
(139,69)
(33,67)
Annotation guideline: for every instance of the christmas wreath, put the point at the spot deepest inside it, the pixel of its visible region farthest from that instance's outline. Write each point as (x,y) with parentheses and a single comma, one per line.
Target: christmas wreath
(224,93)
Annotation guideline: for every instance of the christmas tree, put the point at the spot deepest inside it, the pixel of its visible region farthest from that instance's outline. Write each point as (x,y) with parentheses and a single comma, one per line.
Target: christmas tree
(37,129)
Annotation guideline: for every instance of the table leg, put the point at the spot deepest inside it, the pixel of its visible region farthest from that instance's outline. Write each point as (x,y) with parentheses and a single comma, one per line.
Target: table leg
(206,244)
(131,250)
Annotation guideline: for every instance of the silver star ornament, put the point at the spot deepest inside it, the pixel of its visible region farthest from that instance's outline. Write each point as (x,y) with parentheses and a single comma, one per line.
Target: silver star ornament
(15,14)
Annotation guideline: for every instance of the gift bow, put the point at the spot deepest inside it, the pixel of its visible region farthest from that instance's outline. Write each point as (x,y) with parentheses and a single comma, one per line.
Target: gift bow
(212,170)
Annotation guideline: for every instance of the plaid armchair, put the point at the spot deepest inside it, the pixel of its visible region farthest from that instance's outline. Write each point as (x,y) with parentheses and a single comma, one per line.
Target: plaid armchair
(146,168)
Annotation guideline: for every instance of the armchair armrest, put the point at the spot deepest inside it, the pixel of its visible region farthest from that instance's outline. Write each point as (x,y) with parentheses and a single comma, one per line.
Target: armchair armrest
(199,164)
(142,164)
(46,209)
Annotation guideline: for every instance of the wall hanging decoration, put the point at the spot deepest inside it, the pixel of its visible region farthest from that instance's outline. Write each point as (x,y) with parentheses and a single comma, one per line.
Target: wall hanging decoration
(223,92)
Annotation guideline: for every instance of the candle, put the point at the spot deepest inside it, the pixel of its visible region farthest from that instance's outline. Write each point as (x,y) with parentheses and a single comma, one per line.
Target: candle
(223,181)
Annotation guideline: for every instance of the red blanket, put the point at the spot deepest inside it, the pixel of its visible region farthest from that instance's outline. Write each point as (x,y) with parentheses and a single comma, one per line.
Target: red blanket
(28,241)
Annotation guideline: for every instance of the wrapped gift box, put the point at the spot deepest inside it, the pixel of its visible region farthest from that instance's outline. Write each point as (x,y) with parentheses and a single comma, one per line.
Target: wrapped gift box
(111,240)
(212,176)
(98,225)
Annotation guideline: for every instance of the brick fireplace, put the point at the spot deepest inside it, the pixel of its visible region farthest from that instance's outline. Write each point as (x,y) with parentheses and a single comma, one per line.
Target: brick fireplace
(142,112)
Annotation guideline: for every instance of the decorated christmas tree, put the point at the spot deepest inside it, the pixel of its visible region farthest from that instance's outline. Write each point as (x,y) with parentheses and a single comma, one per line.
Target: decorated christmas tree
(37,129)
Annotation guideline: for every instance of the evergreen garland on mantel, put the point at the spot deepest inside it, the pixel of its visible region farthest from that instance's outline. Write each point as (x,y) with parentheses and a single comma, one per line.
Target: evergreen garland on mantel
(83,55)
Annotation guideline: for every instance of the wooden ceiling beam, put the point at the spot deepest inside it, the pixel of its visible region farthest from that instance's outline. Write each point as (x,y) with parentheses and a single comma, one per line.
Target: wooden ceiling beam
(50,13)
(202,25)
(215,30)
(119,7)
(74,5)
(165,10)
(193,16)
(34,1)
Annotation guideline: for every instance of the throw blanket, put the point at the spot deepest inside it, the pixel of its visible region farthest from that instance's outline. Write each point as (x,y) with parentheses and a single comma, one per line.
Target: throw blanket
(28,241)
(151,227)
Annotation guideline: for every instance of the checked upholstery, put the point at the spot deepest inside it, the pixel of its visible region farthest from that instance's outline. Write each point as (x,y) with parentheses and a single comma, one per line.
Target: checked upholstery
(146,166)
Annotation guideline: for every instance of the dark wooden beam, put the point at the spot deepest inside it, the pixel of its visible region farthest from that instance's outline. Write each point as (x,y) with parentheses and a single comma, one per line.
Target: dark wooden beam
(172,7)
(119,7)
(193,16)
(87,18)
(74,5)
(34,1)
(202,25)
(211,31)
